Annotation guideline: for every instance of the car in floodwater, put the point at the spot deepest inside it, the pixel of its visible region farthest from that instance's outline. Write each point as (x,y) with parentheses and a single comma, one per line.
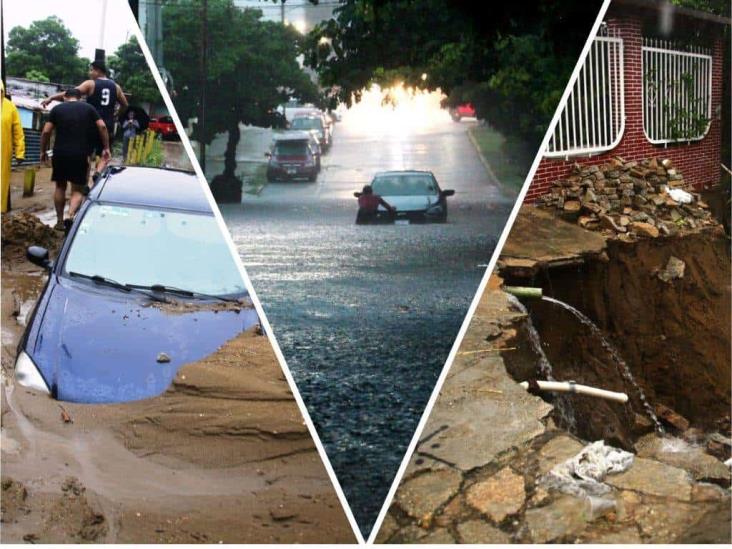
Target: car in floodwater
(144,283)
(415,195)
(292,157)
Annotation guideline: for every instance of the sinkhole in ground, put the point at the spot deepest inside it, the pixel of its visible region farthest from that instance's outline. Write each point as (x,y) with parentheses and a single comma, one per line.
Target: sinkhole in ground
(674,334)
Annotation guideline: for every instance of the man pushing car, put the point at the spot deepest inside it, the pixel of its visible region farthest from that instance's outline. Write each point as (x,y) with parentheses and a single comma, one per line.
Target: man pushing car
(73,121)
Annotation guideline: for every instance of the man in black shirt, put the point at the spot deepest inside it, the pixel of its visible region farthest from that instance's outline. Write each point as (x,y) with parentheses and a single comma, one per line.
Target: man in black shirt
(105,95)
(74,121)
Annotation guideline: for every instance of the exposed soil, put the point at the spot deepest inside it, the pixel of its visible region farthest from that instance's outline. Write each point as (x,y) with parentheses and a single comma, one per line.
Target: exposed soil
(222,456)
(478,473)
(674,333)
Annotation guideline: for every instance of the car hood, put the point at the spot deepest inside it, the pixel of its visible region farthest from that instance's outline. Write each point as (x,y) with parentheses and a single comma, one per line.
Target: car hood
(411,203)
(98,344)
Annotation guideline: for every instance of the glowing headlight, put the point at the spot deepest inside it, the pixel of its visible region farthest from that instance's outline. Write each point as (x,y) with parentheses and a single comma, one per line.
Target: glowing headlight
(27,374)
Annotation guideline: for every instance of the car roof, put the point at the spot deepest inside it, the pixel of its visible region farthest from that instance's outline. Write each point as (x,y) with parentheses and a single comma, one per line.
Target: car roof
(404,172)
(292,135)
(154,187)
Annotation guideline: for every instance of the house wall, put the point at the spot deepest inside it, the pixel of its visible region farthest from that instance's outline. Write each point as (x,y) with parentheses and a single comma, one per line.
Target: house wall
(698,161)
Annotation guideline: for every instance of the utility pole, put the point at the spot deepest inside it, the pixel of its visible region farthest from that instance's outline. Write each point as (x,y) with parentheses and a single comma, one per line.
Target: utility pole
(282,11)
(2,45)
(103,24)
(202,107)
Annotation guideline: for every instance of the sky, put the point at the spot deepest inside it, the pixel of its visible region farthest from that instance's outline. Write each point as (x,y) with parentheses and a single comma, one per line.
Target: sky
(81,17)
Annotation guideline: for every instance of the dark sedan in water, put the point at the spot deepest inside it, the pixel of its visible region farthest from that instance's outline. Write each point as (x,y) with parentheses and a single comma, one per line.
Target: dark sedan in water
(143,284)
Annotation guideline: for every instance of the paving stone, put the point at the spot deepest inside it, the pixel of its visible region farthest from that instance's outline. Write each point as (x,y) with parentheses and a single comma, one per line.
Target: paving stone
(478,531)
(556,451)
(439,536)
(679,453)
(564,517)
(654,478)
(420,496)
(388,528)
(499,496)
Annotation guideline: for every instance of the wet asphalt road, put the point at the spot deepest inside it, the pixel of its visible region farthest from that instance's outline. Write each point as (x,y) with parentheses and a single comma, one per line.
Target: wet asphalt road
(366,315)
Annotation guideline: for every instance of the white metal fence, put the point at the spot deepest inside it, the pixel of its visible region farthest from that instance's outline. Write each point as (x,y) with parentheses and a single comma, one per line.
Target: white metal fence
(677,91)
(593,120)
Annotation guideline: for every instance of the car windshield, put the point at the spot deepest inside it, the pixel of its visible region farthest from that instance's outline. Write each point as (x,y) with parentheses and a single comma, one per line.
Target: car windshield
(404,185)
(291,148)
(148,246)
(307,124)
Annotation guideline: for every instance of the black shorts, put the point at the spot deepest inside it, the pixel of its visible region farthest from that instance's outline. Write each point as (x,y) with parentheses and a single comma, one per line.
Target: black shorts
(97,141)
(72,168)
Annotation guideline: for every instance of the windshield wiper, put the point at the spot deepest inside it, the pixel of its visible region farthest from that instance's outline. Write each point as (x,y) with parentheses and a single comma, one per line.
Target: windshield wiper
(180,291)
(99,279)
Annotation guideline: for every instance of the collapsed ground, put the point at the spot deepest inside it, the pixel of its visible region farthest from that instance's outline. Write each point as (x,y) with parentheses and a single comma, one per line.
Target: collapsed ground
(479,473)
(223,455)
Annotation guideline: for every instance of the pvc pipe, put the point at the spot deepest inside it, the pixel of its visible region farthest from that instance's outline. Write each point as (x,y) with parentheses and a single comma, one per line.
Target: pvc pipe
(572,387)
(524,291)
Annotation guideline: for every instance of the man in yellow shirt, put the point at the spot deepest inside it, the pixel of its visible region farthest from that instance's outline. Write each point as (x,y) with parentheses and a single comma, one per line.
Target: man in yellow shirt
(12,138)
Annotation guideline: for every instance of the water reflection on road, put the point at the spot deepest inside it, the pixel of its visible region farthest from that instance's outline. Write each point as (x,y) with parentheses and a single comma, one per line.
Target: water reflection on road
(366,315)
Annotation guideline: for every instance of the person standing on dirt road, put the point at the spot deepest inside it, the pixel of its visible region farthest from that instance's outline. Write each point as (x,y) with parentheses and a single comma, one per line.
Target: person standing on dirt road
(106,96)
(73,121)
(13,140)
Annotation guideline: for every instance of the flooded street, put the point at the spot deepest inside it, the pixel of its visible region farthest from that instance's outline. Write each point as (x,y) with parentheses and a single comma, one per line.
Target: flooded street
(366,315)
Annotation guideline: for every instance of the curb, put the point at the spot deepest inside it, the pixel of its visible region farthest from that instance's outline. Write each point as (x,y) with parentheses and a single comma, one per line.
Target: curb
(487,165)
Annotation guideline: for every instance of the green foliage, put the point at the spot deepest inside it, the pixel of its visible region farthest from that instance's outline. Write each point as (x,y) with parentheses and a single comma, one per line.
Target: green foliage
(252,64)
(132,73)
(513,62)
(37,75)
(48,48)
(717,7)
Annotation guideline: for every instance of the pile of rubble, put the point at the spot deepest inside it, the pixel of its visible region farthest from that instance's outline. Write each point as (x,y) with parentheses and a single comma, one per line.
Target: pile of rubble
(628,198)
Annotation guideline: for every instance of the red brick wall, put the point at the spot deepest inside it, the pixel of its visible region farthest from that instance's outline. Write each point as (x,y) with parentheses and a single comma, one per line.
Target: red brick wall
(697,161)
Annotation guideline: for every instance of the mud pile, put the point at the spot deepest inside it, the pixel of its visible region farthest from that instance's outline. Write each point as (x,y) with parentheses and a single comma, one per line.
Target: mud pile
(628,199)
(23,229)
(222,456)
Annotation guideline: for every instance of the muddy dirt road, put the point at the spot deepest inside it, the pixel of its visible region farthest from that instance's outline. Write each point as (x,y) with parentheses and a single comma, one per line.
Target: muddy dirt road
(222,456)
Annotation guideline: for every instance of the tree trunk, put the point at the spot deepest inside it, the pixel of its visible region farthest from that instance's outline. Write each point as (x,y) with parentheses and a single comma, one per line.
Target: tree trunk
(230,154)
(227,187)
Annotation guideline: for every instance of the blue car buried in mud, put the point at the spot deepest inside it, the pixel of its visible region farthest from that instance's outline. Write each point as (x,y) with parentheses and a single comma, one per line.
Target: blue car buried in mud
(144,283)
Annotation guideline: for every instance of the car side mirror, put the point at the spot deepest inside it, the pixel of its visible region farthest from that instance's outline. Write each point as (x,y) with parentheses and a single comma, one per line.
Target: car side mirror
(449,192)
(39,256)
(357,194)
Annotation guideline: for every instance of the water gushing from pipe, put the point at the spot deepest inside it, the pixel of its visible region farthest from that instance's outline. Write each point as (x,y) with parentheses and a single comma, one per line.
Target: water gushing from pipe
(563,406)
(614,354)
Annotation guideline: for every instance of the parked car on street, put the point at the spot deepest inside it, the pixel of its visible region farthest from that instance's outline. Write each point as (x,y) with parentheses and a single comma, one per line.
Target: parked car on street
(313,122)
(462,111)
(415,195)
(292,157)
(143,284)
(165,126)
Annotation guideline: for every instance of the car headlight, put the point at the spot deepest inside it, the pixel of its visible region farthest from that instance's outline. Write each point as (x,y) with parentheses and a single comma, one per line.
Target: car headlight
(27,374)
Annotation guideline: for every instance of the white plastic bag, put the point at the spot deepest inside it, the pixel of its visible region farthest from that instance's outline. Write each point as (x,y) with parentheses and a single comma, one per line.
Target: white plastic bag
(583,474)
(680,196)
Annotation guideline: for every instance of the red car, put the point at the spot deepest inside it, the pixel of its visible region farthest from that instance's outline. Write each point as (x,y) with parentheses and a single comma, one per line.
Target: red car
(165,126)
(461,111)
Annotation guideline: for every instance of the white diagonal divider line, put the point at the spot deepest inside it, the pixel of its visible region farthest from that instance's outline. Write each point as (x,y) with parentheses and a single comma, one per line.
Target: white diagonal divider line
(232,248)
(488,272)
